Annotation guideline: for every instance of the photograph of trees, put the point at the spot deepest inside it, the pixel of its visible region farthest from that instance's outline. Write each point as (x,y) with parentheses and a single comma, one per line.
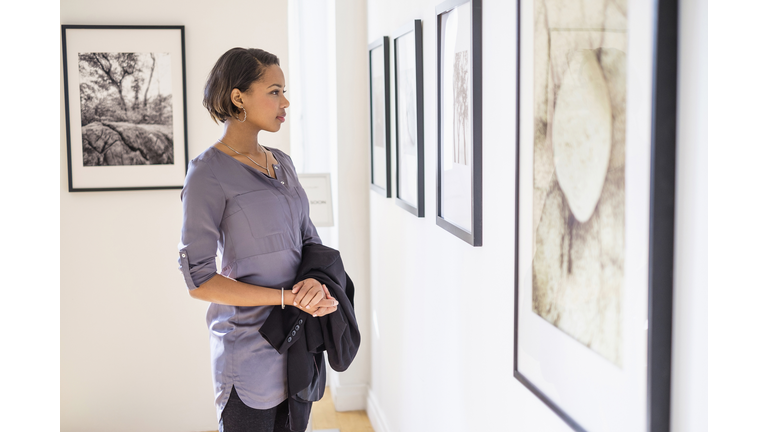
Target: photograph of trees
(126,108)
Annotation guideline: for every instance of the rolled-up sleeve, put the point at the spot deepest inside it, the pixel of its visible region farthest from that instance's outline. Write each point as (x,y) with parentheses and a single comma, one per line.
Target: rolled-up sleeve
(203,203)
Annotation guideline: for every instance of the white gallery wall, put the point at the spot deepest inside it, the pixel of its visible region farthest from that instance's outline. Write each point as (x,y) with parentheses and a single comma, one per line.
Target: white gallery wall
(134,345)
(442,311)
(690,360)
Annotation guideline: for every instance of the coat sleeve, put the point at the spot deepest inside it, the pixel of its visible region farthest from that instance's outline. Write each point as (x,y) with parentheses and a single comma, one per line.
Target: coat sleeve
(338,332)
(203,204)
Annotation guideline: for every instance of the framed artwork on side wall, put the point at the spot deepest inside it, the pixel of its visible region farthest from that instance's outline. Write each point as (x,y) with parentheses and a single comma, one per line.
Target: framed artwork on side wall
(595,210)
(378,82)
(318,189)
(459,119)
(125,106)
(409,118)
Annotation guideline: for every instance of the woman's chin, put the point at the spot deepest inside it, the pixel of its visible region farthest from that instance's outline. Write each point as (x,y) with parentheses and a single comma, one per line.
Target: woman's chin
(271,128)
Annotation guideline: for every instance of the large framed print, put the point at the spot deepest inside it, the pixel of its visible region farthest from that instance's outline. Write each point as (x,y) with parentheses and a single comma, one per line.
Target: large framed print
(595,210)
(409,118)
(459,120)
(378,82)
(125,106)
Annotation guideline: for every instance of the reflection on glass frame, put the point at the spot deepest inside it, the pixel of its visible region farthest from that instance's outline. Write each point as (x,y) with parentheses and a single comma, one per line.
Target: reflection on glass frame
(378,81)
(595,182)
(459,120)
(125,107)
(409,118)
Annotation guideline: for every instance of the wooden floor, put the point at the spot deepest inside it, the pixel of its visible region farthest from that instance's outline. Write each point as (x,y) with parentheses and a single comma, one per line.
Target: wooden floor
(324,416)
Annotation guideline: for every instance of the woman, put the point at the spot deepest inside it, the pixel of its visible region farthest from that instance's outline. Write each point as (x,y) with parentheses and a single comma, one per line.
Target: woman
(245,201)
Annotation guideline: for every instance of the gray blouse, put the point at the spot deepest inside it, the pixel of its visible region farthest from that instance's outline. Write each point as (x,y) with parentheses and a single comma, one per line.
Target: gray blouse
(258,225)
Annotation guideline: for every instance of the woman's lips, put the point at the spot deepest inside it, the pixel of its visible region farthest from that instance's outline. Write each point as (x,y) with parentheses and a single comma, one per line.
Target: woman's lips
(282,119)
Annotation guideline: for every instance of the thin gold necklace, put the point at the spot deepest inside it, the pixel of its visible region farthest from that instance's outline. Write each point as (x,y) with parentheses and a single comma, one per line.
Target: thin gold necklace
(266,157)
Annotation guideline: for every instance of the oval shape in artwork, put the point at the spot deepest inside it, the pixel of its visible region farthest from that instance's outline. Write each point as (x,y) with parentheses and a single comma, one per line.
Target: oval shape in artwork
(581,133)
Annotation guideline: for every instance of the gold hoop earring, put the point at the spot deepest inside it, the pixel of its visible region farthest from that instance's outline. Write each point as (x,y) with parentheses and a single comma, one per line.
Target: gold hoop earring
(245,115)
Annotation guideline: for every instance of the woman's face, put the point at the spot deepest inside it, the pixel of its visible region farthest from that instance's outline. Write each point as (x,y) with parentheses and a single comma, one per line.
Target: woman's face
(265,100)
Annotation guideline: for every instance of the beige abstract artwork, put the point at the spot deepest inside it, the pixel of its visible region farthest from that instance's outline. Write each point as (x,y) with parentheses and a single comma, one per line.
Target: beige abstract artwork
(580,51)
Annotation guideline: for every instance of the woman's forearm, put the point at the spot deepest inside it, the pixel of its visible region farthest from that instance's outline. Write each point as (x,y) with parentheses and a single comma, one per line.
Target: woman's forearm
(223,290)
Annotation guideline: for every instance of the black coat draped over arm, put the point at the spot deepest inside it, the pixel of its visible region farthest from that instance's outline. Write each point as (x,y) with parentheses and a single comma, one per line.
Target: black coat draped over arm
(303,338)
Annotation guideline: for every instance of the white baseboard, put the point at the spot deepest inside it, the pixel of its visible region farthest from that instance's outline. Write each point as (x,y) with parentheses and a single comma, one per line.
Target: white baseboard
(375,414)
(349,397)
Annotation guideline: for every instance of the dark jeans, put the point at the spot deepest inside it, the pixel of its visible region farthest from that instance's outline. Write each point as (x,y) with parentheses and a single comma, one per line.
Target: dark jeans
(239,417)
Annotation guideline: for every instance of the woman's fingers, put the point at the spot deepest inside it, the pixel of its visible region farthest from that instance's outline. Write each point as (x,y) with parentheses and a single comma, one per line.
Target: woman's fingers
(312,296)
(308,293)
(297,287)
(324,311)
(312,299)
(307,286)
(322,296)
(323,303)
(329,302)
(301,284)
(325,306)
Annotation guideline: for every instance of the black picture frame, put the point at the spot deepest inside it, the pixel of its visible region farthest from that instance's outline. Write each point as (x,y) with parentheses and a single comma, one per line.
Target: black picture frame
(157,156)
(380,117)
(417,102)
(472,232)
(663,37)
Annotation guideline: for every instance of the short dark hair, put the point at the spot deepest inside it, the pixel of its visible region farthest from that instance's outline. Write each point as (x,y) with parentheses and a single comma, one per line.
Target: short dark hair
(237,68)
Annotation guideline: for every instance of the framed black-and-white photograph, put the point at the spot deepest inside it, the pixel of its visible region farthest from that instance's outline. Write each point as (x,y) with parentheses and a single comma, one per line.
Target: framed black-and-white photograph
(409,118)
(125,105)
(595,210)
(378,81)
(459,120)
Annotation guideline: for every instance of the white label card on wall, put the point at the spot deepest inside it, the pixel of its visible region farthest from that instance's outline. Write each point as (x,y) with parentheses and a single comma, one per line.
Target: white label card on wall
(318,190)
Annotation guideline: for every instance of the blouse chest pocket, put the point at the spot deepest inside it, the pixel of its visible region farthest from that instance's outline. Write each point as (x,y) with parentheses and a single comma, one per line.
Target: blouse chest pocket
(266,218)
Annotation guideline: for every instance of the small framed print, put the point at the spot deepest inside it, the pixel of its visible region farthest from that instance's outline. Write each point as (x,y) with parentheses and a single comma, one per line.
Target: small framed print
(125,106)
(409,118)
(459,107)
(378,81)
(595,210)
(318,190)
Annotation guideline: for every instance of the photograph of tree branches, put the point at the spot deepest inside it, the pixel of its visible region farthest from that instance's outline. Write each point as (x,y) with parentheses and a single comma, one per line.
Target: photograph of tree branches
(125,107)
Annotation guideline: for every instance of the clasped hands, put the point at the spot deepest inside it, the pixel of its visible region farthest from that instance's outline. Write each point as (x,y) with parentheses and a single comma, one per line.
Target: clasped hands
(312,297)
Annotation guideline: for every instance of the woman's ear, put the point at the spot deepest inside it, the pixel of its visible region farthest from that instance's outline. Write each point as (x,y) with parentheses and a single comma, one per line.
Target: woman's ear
(237,97)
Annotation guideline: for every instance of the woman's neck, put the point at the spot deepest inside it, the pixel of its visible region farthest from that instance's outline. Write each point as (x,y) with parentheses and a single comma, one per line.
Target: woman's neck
(241,137)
